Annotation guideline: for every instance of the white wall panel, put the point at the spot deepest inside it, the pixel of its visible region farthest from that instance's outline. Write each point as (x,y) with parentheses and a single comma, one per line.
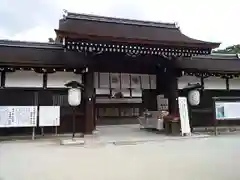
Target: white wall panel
(115,80)
(103,91)
(104,80)
(59,79)
(137,93)
(145,81)
(215,83)
(24,79)
(125,80)
(96,85)
(234,83)
(135,81)
(153,81)
(126,92)
(184,80)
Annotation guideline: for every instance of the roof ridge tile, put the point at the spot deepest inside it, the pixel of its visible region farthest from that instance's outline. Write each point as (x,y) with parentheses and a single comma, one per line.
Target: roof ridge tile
(108,19)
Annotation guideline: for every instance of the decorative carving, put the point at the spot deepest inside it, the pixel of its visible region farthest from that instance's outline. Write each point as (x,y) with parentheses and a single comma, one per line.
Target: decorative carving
(133,50)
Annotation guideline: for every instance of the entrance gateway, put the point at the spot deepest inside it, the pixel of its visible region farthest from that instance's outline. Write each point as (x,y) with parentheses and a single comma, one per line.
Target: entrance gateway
(124,65)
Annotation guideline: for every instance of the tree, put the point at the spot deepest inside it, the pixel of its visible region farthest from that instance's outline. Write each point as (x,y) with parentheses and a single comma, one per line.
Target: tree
(51,40)
(235,49)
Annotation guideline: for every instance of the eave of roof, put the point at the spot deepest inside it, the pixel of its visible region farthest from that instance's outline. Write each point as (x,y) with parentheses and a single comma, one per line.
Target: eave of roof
(29,44)
(34,54)
(92,26)
(213,62)
(218,56)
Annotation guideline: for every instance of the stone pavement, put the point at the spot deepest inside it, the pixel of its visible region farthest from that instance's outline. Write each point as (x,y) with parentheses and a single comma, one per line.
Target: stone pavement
(114,134)
(192,159)
(131,134)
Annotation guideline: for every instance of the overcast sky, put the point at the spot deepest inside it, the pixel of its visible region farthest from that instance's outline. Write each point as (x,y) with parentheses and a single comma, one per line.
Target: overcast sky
(210,20)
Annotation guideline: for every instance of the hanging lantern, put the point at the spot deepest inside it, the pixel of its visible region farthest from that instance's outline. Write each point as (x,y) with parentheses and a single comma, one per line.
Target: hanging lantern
(74,96)
(194,97)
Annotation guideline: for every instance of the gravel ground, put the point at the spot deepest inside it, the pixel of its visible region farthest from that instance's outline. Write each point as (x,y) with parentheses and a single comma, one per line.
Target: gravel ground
(216,158)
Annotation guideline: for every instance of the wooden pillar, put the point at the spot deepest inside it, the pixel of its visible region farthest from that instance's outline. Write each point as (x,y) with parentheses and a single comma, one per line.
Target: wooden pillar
(3,78)
(172,91)
(167,84)
(227,84)
(89,101)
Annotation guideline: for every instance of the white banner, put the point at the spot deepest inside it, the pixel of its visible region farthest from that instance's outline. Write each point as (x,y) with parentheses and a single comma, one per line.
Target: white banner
(18,116)
(153,81)
(125,80)
(104,80)
(96,80)
(145,81)
(184,116)
(135,81)
(115,80)
(49,116)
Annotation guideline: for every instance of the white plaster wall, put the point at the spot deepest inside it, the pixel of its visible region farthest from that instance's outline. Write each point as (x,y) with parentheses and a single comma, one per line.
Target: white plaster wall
(59,79)
(184,80)
(215,83)
(234,83)
(24,79)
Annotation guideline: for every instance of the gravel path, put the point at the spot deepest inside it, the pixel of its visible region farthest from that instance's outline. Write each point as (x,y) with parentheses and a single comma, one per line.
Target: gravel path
(215,158)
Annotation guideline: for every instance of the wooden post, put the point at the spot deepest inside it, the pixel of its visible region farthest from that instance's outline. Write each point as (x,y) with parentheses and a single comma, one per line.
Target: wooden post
(74,122)
(89,99)
(172,91)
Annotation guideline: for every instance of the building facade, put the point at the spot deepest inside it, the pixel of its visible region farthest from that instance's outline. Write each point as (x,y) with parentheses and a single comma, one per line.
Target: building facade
(123,64)
(219,74)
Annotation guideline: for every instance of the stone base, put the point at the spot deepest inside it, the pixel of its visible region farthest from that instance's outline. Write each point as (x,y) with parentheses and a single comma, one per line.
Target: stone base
(75,141)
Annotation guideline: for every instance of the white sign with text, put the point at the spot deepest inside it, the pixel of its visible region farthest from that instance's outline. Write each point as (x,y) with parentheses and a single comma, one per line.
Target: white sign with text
(184,116)
(18,116)
(49,116)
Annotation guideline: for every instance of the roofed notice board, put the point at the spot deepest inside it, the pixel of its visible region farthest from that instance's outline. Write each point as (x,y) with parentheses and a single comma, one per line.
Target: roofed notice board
(227,110)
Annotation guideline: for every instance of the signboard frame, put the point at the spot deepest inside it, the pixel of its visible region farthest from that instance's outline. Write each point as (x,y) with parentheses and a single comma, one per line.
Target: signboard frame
(217,120)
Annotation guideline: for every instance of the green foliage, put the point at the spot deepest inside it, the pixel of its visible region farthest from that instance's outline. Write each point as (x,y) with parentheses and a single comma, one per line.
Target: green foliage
(51,40)
(235,49)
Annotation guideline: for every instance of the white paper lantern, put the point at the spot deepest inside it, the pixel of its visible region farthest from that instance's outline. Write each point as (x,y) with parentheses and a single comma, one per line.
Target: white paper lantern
(74,96)
(194,97)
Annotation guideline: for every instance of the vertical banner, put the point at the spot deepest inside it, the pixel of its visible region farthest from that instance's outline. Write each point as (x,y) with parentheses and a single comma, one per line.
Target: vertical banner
(125,81)
(184,116)
(96,85)
(153,81)
(135,81)
(49,116)
(115,80)
(145,81)
(104,80)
